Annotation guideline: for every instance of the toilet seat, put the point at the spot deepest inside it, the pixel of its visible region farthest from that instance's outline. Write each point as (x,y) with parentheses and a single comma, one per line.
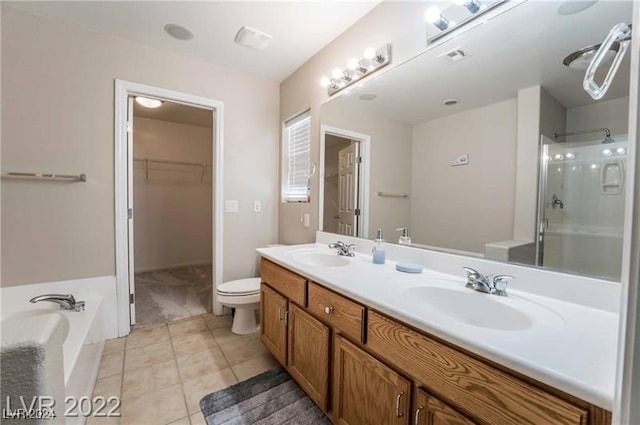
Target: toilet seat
(240,287)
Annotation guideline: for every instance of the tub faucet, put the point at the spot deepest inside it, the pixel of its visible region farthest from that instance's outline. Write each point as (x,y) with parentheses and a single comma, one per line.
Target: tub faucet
(67,302)
(344,249)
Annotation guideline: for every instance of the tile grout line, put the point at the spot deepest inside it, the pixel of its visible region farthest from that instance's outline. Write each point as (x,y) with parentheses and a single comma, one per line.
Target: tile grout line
(175,360)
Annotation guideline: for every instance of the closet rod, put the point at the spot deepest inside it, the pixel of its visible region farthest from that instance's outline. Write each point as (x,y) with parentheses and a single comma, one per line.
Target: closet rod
(167,161)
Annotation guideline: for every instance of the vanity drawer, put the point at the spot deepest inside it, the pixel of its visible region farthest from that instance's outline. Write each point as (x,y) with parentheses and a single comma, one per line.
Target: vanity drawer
(282,280)
(489,395)
(337,311)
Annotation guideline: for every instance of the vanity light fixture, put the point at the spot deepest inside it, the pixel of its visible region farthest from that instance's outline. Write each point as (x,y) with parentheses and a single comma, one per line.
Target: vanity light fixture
(472,6)
(357,69)
(148,103)
(462,11)
(434,16)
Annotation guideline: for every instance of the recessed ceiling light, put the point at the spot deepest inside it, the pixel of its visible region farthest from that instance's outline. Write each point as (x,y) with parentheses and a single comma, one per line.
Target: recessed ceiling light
(178,32)
(148,103)
(451,102)
(251,37)
(367,96)
(570,7)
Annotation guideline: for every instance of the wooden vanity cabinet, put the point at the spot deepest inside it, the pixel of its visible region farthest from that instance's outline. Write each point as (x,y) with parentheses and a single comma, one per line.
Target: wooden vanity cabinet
(296,339)
(273,327)
(428,410)
(366,391)
(308,354)
(362,367)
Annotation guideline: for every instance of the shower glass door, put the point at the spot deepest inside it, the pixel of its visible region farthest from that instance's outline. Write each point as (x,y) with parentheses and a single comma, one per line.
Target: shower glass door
(581,206)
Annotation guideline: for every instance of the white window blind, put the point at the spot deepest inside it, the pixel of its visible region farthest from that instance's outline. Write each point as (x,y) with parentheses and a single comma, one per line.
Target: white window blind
(297,159)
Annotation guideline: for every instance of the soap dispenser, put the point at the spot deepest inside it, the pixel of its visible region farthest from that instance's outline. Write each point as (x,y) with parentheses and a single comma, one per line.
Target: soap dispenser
(378,249)
(404,237)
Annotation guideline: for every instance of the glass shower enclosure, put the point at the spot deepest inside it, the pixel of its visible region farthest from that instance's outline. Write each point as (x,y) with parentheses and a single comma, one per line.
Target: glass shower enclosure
(581,206)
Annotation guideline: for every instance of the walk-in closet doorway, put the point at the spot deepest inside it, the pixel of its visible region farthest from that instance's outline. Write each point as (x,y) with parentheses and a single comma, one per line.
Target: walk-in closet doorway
(168,172)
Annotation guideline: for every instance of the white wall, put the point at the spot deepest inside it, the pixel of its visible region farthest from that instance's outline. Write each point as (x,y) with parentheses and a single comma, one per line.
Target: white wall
(479,196)
(172,207)
(58,116)
(612,114)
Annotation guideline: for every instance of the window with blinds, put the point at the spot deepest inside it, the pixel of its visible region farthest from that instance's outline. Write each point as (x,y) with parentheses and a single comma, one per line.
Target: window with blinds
(296,158)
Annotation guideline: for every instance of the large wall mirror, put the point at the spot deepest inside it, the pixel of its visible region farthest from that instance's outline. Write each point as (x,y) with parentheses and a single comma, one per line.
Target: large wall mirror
(487,145)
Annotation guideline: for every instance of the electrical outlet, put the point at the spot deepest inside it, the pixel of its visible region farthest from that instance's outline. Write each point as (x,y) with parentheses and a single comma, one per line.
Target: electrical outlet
(257,206)
(231,206)
(459,160)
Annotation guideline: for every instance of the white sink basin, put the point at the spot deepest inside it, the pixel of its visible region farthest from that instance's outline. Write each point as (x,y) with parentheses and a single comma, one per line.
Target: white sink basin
(318,259)
(465,306)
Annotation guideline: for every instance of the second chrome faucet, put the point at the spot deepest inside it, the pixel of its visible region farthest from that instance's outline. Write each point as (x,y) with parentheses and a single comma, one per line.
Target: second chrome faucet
(495,285)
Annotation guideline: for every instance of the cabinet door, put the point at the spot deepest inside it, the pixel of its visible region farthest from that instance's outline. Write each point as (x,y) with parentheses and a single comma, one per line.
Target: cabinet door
(308,354)
(273,327)
(428,410)
(365,391)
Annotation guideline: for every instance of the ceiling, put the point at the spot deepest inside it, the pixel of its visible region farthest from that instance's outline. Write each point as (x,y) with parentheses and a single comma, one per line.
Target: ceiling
(176,112)
(520,48)
(299,28)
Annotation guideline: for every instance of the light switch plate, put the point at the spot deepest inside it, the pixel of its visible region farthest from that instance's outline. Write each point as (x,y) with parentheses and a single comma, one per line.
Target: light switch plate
(231,206)
(257,206)
(307,221)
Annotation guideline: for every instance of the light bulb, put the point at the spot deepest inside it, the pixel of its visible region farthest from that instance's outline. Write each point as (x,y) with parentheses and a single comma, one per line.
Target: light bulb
(325,82)
(148,103)
(352,64)
(594,166)
(432,15)
(369,53)
(558,156)
(337,73)
(607,152)
(621,151)
(570,155)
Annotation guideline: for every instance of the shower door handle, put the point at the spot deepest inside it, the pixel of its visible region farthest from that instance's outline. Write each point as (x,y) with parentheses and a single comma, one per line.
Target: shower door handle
(621,34)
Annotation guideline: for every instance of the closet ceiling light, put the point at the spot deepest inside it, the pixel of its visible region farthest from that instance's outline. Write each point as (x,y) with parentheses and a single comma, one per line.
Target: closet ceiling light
(148,103)
(178,32)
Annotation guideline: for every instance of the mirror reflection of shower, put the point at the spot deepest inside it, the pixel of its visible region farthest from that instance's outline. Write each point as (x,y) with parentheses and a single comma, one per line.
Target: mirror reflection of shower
(582,218)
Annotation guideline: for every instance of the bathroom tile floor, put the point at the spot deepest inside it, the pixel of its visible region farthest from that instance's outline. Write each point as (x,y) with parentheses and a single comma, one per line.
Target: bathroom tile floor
(160,373)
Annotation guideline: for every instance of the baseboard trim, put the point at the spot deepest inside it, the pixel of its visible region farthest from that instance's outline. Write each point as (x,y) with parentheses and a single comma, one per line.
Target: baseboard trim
(173,266)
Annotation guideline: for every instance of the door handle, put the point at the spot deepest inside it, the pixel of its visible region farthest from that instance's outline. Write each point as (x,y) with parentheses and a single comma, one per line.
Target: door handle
(399,414)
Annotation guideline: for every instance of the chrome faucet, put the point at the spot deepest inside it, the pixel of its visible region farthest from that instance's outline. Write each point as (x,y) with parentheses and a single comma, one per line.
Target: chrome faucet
(495,285)
(344,249)
(67,302)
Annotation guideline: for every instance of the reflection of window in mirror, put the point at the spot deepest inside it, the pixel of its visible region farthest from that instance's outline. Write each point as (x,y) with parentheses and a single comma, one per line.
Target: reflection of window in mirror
(296,159)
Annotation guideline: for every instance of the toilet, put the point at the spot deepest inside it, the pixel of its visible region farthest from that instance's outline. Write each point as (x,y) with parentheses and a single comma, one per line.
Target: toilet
(244,296)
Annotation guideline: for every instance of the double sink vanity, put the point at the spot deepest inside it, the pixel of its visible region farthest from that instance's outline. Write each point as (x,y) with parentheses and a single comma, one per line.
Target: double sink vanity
(372,345)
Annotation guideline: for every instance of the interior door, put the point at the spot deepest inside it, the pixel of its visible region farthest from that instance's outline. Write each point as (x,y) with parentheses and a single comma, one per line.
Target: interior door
(348,168)
(132,306)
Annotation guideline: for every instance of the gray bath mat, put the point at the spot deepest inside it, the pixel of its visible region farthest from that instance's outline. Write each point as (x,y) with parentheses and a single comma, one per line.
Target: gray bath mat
(272,398)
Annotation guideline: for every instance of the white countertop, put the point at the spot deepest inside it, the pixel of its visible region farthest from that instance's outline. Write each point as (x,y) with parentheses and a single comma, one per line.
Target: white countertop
(573,349)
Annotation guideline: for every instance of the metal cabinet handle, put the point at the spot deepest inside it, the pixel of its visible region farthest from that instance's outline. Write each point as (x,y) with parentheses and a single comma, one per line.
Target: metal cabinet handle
(328,309)
(621,34)
(399,414)
(417,415)
(286,317)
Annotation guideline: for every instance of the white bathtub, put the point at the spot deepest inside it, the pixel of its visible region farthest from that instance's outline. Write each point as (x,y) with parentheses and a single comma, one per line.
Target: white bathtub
(84,343)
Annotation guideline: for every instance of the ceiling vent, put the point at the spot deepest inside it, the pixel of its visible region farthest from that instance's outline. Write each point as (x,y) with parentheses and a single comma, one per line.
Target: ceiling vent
(253,38)
(453,56)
